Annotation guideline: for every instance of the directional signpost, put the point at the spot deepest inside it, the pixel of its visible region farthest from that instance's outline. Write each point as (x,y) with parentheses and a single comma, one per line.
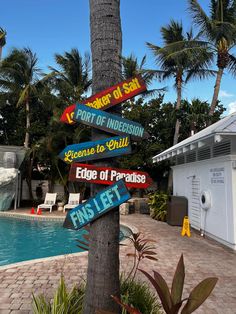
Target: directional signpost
(106,175)
(112,96)
(105,148)
(96,206)
(90,113)
(108,122)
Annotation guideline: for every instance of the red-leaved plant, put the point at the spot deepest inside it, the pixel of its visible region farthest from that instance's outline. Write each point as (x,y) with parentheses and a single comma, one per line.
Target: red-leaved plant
(142,249)
(128,308)
(172,299)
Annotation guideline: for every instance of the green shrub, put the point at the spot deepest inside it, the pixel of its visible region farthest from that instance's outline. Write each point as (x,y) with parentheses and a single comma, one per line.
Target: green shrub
(158,205)
(139,295)
(135,293)
(63,302)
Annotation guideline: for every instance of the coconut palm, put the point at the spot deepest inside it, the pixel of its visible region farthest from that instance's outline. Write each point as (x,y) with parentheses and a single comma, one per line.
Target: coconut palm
(2,40)
(19,79)
(73,77)
(183,57)
(219,28)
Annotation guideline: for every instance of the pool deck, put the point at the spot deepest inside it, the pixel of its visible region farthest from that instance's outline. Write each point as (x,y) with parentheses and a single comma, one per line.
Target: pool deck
(203,258)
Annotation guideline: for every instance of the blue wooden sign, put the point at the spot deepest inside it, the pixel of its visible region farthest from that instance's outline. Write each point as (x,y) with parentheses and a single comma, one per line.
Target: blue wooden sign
(96,206)
(105,148)
(108,122)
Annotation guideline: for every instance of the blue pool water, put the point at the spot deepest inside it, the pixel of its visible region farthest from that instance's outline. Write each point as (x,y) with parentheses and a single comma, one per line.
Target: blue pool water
(22,240)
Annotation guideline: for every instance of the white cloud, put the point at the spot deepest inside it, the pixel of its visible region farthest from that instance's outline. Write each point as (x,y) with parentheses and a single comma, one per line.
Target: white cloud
(232,107)
(224,94)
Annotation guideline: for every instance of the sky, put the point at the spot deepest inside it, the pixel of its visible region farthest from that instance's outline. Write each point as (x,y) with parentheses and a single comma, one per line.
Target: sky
(56,26)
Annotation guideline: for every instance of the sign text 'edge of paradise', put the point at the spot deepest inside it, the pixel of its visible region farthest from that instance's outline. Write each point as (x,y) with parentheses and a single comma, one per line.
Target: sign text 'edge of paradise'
(107,175)
(96,206)
(111,96)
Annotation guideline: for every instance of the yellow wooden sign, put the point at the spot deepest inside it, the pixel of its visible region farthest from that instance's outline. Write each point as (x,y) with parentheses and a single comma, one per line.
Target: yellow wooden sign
(186,227)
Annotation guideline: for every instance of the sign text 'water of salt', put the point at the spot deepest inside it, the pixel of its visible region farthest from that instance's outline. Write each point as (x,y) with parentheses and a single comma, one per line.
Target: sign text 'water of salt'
(106,175)
(111,96)
(96,206)
(105,148)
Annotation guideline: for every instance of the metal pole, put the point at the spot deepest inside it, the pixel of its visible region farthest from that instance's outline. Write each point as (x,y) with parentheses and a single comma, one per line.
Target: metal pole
(16,192)
(19,189)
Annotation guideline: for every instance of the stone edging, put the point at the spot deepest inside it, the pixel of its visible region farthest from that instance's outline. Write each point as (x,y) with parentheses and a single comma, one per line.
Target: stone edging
(32,216)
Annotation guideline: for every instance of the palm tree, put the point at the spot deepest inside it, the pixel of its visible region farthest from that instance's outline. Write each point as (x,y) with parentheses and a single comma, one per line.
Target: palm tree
(2,40)
(73,77)
(219,28)
(131,67)
(182,57)
(19,79)
(103,258)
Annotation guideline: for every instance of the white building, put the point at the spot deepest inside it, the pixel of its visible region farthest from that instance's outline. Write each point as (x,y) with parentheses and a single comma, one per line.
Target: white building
(204,171)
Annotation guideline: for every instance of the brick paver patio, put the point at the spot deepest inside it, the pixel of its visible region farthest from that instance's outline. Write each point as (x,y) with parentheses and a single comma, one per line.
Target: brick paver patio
(203,258)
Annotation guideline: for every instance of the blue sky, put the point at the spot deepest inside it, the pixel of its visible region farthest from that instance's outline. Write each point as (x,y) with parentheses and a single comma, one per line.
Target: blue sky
(56,26)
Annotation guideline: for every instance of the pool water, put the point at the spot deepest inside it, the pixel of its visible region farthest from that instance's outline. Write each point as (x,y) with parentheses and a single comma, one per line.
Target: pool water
(22,240)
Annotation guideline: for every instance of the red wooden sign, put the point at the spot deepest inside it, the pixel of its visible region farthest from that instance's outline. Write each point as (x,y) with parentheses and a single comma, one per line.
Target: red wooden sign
(109,97)
(105,175)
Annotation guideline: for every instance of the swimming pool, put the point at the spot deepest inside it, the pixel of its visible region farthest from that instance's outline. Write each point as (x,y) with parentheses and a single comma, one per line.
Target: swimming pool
(22,239)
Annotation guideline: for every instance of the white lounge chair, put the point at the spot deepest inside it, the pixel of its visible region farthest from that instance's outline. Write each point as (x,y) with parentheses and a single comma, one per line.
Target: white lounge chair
(49,202)
(73,201)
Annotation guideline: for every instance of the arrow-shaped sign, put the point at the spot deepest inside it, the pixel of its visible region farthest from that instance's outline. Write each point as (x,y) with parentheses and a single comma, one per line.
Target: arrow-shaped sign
(112,96)
(105,148)
(106,175)
(108,122)
(103,202)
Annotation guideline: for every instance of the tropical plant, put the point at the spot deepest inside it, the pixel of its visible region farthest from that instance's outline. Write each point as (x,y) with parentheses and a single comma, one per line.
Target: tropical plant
(72,79)
(158,205)
(136,293)
(131,67)
(139,295)
(182,57)
(143,249)
(157,119)
(2,40)
(219,29)
(84,235)
(136,298)
(172,300)
(195,116)
(19,79)
(64,301)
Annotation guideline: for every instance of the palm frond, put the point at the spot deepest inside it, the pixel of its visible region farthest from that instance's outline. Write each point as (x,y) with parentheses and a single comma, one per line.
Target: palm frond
(149,74)
(232,65)
(199,74)
(200,18)
(3,34)
(155,92)
(23,96)
(172,32)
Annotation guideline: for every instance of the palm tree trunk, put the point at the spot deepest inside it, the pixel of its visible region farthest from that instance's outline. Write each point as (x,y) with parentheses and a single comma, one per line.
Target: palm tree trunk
(29,174)
(103,258)
(216,91)
(26,142)
(0,52)
(178,103)
(176,134)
